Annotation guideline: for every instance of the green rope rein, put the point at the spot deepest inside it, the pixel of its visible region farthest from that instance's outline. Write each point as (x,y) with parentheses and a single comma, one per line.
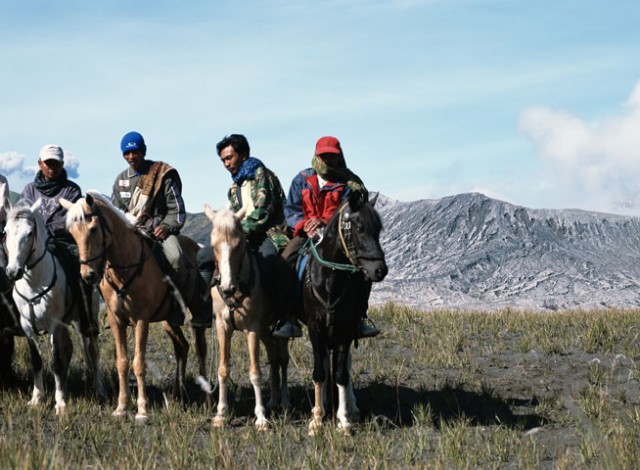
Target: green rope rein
(330,264)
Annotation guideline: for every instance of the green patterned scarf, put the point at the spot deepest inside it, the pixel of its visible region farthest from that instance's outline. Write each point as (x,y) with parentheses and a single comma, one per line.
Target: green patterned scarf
(50,187)
(339,173)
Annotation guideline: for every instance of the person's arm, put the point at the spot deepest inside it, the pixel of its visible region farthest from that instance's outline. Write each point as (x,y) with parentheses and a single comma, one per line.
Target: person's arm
(116,198)
(293,207)
(268,199)
(176,214)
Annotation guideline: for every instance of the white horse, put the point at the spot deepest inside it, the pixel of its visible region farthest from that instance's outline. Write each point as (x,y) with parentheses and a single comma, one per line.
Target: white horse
(44,300)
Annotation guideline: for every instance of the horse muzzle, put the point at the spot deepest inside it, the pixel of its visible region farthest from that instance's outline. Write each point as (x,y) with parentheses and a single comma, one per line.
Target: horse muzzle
(90,276)
(14,273)
(375,271)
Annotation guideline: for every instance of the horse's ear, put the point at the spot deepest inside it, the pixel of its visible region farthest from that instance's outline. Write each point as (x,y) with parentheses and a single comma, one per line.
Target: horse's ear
(372,200)
(89,199)
(66,204)
(210,213)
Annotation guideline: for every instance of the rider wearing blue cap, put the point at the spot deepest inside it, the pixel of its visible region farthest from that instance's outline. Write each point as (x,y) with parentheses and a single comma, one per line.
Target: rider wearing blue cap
(152,192)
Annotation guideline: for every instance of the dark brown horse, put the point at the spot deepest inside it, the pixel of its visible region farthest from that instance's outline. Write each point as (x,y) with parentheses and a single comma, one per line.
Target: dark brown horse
(335,293)
(135,289)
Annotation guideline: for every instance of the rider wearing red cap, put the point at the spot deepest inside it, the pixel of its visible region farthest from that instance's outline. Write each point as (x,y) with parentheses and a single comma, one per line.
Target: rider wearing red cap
(314,195)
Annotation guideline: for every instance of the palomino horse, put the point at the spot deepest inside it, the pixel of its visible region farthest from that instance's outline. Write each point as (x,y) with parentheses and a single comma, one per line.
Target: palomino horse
(44,299)
(335,292)
(241,304)
(134,287)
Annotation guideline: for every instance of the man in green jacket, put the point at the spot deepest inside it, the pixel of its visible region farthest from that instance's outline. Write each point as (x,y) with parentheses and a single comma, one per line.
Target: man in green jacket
(258,190)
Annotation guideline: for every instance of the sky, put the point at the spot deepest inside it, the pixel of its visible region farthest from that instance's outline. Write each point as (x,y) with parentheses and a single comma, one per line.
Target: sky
(536,103)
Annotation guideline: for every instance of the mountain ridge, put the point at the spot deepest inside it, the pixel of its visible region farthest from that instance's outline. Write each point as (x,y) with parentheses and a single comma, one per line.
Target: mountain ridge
(472,252)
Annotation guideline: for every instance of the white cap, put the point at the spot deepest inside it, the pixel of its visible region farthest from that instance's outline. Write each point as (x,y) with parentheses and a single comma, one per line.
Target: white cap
(51,152)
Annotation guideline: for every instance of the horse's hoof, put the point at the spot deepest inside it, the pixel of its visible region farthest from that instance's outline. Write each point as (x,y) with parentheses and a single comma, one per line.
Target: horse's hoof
(118,413)
(217,422)
(61,410)
(141,418)
(314,427)
(262,425)
(33,402)
(345,429)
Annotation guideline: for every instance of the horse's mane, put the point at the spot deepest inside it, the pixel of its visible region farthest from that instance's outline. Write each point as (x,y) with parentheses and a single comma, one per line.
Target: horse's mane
(76,213)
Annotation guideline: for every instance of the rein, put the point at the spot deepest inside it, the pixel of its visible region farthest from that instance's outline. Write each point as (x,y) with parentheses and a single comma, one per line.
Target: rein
(346,240)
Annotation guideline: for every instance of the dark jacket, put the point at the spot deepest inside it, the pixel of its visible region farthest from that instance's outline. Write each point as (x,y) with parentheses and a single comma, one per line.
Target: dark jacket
(166,206)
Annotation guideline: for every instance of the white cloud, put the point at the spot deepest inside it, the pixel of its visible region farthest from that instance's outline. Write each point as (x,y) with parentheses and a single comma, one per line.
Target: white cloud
(11,162)
(596,165)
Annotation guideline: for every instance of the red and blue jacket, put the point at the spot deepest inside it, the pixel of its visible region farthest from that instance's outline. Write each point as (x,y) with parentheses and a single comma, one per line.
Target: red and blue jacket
(307,200)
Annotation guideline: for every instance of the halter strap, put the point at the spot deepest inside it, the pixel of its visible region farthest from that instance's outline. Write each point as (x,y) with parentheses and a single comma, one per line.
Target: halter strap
(105,229)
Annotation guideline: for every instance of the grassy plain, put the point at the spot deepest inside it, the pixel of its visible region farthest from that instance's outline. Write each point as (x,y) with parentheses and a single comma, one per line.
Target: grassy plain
(440,389)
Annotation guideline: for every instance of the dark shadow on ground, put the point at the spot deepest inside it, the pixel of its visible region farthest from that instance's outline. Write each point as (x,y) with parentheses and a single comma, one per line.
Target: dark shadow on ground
(451,403)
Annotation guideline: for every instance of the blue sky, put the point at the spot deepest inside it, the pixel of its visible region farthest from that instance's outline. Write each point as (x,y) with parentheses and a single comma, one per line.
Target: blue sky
(532,102)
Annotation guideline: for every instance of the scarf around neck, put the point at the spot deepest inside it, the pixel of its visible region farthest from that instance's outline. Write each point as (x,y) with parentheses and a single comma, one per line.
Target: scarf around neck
(340,174)
(50,187)
(247,170)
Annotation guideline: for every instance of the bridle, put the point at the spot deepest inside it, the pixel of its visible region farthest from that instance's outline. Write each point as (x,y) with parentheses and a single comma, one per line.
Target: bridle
(106,266)
(234,301)
(102,256)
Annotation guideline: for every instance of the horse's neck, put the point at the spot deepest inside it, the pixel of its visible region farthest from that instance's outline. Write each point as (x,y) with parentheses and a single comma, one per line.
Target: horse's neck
(125,244)
(42,271)
(330,249)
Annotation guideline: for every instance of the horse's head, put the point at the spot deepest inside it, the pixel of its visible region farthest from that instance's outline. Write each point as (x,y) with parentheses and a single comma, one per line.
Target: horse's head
(228,244)
(25,238)
(88,228)
(359,228)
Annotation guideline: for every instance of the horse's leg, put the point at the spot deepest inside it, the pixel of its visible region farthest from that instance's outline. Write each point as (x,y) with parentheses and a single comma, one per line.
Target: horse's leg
(92,358)
(140,367)
(224,351)
(119,332)
(341,373)
(62,349)
(352,406)
(36,364)
(253,342)
(278,354)
(274,368)
(200,335)
(282,345)
(320,357)
(181,350)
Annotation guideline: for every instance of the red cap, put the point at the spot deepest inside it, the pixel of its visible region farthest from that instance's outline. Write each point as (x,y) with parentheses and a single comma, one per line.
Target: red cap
(328,144)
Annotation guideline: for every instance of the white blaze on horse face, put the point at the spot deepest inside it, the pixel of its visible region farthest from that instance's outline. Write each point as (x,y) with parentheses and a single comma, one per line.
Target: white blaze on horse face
(224,265)
(18,244)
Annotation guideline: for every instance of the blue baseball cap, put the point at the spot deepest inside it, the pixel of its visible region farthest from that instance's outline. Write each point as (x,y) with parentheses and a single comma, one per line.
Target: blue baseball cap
(133,141)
